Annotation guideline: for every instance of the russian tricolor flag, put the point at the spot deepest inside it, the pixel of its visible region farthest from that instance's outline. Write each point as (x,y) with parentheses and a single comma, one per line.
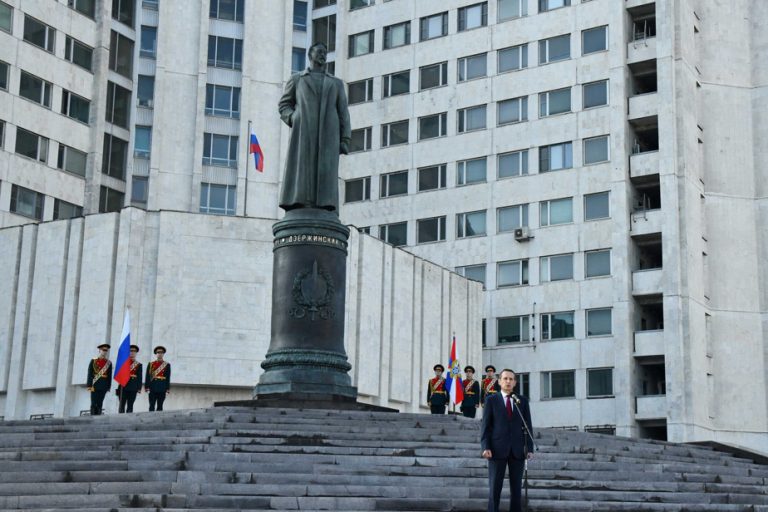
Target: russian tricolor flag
(255,150)
(123,366)
(453,383)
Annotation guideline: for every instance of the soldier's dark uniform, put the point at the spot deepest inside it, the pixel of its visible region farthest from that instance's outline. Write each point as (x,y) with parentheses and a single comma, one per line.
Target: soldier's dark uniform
(471,395)
(158,381)
(436,395)
(128,392)
(99,380)
(490,386)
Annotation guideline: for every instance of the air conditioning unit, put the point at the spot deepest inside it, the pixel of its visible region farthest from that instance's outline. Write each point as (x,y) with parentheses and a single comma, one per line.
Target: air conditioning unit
(522,234)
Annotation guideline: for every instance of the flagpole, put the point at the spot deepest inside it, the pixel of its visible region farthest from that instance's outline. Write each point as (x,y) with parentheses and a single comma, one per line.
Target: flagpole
(247,154)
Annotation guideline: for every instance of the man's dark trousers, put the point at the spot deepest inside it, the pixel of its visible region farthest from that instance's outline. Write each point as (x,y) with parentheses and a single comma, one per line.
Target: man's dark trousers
(156,398)
(97,401)
(127,398)
(496,470)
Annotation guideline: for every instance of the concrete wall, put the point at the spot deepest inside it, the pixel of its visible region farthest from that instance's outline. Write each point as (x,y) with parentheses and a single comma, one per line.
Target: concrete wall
(200,286)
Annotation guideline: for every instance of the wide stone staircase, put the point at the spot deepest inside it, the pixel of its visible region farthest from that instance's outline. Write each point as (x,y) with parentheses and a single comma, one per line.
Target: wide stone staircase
(246,459)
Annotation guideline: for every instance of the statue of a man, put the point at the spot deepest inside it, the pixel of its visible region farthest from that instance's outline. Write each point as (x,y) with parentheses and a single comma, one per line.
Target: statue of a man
(314,105)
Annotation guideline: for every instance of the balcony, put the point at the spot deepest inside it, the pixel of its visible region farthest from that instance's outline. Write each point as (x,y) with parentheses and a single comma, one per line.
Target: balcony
(643,105)
(645,222)
(650,407)
(647,282)
(649,343)
(640,50)
(644,164)
(631,4)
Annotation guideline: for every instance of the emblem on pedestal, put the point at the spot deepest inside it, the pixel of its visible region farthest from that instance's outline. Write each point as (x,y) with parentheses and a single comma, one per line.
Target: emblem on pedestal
(313,292)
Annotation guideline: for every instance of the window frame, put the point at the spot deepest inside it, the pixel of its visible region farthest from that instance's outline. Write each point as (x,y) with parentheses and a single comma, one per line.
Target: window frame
(605,40)
(523,273)
(545,267)
(144,153)
(124,16)
(58,203)
(384,233)
(546,327)
(440,228)
(237,50)
(385,184)
(522,217)
(367,132)
(46,89)
(462,271)
(117,58)
(442,126)
(238,14)
(49,37)
(42,145)
(522,10)
(523,163)
(230,195)
(544,56)
(590,371)
(9,30)
(524,328)
(148,53)
(367,84)
(463,222)
(64,157)
(70,43)
(209,139)
(548,204)
(365,189)
(461,171)
(386,133)
(522,58)
(610,323)
(107,166)
(442,177)
(387,34)
(543,5)
(424,26)
(546,390)
(235,95)
(442,72)
(462,118)
(592,140)
(388,80)
(39,200)
(461,18)
(112,94)
(522,110)
(106,196)
(67,98)
(463,66)
(545,102)
(584,87)
(586,263)
(567,157)
(352,48)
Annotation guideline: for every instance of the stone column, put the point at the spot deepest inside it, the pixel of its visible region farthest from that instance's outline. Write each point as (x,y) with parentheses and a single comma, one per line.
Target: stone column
(306,357)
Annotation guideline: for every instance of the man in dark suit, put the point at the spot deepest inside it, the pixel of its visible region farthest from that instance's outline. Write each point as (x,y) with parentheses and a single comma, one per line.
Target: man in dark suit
(99,379)
(506,441)
(127,394)
(158,380)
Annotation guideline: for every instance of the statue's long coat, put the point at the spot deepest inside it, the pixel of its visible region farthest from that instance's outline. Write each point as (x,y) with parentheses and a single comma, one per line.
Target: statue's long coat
(312,165)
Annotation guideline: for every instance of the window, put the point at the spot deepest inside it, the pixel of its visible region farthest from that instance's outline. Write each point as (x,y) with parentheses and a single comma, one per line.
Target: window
(220,150)
(472,67)
(222,100)
(323,3)
(396,83)
(121,54)
(594,40)
(599,382)
(72,160)
(432,177)
(599,322)
(556,268)
(75,106)
(509,9)
(357,190)
(217,199)
(512,273)
(361,44)
(140,190)
(2,133)
(397,35)
(556,157)
(513,329)
(596,150)
(27,202)
(115,157)
(78,53)
(231,10)
(556,326)
(470,224)
(513,58)
(556,211)
(597,263)
(365,229)
(558,384)
(433,26)
(122,11)
(361,140)
(65,210)
(153,5)
(434,75)
(142,144)
(35,89)
(360,92)
(300,15)
(6,17)
(395,234)
(514,163)
(554,49)
(393,134)
(4,75)
(471,118)
(548,5)
(554,102)
(118,105)
(39,34)
(509,218)
(431,230)
(86,7)
(394,184)
(523,386)
(433,126)
(595,94)
(514,110)
(324,31)
(148,47)
(473,272)
(298,59)
(31,145)
(110,200)
(596,206)
(145,91)
(473,16)
(359,4)
(471,171)
(225,52)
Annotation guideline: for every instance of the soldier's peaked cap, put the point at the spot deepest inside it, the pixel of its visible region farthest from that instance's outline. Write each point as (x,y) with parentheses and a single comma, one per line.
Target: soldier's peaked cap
(441,367)
(490,367)
(135,347)
(104,345)
(159,348)
(469,369)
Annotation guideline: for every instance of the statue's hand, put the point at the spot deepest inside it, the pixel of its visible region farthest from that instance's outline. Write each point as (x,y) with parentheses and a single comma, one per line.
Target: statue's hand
(344,148)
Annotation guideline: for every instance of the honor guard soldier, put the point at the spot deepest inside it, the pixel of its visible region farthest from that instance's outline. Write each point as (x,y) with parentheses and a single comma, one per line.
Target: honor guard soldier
(127,394)
(158,380)
(471,393)
(436,396)
(99,378)
(490,383)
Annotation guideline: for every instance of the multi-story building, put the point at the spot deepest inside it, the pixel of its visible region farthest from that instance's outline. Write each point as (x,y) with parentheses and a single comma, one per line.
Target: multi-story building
(595,164)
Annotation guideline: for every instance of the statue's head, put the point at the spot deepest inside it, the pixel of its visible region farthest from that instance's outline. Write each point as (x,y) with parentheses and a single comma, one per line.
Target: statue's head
(318,53)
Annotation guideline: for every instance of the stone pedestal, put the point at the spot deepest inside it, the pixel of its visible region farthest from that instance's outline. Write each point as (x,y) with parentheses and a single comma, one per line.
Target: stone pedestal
(306,354)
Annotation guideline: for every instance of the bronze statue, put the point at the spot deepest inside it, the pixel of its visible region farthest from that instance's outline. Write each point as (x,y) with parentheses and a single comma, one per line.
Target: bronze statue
(314,105)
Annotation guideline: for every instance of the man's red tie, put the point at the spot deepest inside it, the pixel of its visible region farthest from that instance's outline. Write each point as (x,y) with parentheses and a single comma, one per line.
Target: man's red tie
(509,407)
